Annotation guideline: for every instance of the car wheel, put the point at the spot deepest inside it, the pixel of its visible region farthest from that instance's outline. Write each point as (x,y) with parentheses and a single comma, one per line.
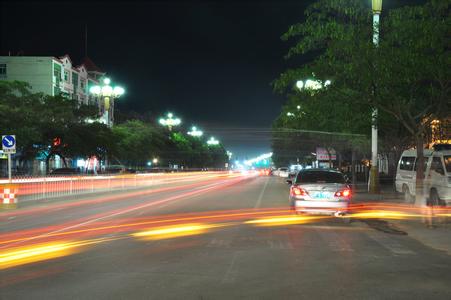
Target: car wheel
(407,196)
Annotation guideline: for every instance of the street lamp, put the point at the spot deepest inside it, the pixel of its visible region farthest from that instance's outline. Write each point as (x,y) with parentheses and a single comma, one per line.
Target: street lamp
(170,121)
(373,186)
(108,94)
(213,141)
(155,161)
(229,154)
(312,85)
(195,132)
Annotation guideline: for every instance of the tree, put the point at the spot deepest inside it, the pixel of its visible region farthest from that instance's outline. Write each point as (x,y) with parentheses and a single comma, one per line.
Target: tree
(407,77)
(19,112)
(50,125)
(138,142)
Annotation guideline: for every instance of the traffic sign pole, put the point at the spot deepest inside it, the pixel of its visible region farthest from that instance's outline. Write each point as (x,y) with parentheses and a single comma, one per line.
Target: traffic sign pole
(9,167)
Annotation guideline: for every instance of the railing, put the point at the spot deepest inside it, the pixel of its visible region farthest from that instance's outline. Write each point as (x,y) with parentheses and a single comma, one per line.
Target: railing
(37,188)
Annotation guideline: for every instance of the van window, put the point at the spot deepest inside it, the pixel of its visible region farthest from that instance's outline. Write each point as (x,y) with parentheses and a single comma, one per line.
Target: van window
(437,165)
(447,160)
(407,163)
(424,166)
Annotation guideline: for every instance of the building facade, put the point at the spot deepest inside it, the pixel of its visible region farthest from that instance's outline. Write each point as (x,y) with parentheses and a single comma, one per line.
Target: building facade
(51,75)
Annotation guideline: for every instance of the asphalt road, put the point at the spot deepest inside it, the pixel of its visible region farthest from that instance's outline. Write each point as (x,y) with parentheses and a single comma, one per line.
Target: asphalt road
(212,250)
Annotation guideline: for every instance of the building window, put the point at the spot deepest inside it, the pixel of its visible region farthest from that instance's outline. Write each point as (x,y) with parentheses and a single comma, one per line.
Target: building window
(82,84)
(2,70)
(66,75)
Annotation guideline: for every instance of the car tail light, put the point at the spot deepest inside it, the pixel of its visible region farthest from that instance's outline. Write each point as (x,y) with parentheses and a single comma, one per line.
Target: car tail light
(344,193)
(297,191)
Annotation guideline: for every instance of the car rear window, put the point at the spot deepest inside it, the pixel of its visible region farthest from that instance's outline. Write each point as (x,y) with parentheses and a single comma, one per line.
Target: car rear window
(320,177)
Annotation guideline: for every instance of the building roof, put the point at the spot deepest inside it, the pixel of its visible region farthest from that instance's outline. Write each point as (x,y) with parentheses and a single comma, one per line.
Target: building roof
(90,65)
(64,56)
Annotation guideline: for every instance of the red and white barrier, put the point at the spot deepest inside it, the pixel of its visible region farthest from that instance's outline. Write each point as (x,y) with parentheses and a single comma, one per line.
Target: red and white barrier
(8,195)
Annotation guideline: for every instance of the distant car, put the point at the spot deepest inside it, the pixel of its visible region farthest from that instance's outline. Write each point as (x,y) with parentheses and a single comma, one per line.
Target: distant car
(323,191)
(65,171)
(283,172)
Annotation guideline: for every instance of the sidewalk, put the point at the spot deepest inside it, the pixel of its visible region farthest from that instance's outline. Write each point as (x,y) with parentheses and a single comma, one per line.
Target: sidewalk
(438,237)
(387,194)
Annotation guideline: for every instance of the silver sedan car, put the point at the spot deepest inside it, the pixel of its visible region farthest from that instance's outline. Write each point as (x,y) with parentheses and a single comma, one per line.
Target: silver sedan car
(322,191)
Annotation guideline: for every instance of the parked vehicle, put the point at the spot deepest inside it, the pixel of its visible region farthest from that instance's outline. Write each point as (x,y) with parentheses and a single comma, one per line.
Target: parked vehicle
(437,176)
(323,191)
(283,172)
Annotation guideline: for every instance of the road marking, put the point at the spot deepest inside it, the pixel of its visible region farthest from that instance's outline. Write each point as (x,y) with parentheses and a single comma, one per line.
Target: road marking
(259,200)
(336,242)
(280,245)
(218,243)
(229,275)
(390,244)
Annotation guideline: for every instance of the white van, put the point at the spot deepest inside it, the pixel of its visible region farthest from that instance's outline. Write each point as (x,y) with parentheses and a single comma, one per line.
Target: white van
(437,176)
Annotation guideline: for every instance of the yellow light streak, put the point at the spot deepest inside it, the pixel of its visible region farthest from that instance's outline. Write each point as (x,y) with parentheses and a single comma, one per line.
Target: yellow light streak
(384,214)
(35,253)
(176,231)
(285,220)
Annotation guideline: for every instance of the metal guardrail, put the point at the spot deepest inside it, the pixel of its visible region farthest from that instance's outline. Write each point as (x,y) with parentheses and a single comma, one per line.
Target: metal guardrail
(38,188)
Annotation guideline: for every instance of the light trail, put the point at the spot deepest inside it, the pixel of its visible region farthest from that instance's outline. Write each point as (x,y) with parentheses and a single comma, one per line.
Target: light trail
(176,231)
(57,206)
(40,252)
(170,227)
(122,211)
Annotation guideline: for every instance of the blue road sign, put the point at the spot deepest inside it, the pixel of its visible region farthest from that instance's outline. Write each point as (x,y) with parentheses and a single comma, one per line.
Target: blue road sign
(9,142)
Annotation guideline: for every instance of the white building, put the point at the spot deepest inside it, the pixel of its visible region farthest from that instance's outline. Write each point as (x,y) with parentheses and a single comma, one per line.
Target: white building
(53,76)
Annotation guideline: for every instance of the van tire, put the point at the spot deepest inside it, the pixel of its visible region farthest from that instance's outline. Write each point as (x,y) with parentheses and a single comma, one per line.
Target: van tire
(408,198)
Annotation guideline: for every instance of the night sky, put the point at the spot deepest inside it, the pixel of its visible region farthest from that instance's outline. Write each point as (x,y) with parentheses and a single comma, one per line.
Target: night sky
(210,63)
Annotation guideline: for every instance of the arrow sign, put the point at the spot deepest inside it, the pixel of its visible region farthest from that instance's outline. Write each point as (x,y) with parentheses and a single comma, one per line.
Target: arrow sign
(9,143)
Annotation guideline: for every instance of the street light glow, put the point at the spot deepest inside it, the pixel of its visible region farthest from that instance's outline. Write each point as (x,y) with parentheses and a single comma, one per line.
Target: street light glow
(300,84)
(195,132)
(170,121)
(262,157)
(107,90)
(213,141)
(96,90)
(118,91)
(107,94)
(311,84)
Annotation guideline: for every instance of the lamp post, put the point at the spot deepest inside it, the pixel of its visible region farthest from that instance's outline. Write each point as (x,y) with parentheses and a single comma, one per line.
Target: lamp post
(195,132)
(213,142)
(107,93)
(170,121)
(373,186)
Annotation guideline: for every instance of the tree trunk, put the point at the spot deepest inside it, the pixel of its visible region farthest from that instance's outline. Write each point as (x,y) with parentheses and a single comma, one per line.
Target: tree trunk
(353,175)
(47,164)
(420,199)
(64,160)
